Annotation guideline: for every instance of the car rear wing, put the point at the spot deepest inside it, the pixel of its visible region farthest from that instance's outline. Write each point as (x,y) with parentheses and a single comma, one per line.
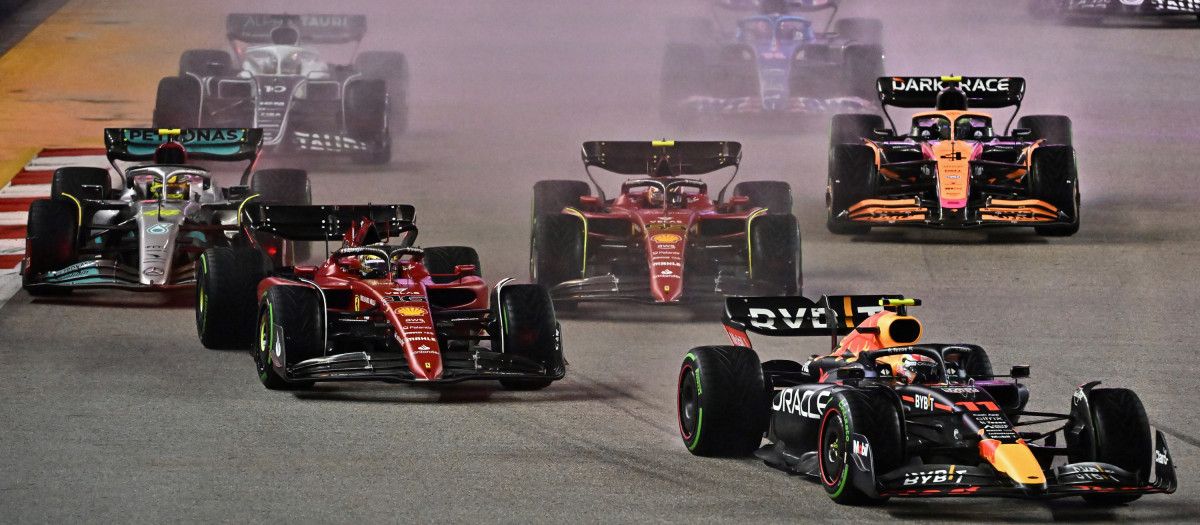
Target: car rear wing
(665,158)
(799,316)
(922,92)
(330,222)
(139,144)
(255,28)
(793,5)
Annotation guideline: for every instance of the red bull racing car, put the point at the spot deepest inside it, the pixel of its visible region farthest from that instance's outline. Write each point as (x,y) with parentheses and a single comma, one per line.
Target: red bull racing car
(374,309)
(663,239)
(883,415)
(953,169)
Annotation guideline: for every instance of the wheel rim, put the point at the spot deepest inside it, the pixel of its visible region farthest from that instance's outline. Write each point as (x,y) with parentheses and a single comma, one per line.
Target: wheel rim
(262,358)
(201,297)
(833,448)
(688,403)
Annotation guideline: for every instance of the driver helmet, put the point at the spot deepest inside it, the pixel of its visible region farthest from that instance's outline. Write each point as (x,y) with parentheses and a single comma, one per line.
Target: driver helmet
(655,196)
(372,267)
(773,7)
(916,368)
(176,188)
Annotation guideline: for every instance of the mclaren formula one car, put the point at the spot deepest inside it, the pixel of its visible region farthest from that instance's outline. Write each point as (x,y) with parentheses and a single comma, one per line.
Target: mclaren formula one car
(300,79)
(663,238)
(1072,10)
(773,64)
(883,415)
(374,310)
(146,233)
(952,170)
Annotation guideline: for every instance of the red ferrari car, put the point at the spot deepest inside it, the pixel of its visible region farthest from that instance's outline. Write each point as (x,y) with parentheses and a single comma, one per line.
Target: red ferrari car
(663,238)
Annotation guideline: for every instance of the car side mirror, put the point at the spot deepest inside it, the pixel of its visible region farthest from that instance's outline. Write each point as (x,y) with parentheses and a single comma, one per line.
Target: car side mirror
(93,192)
(851,373)
(883,132)
(464,270)
(1022,132)
(739,200)
(589,202)
(1020,371)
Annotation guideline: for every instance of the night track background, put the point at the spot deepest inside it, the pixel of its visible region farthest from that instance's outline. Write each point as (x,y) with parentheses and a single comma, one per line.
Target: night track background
(113,412)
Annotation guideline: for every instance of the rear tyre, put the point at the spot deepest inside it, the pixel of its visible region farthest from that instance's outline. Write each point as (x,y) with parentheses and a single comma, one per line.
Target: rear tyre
(71,181)
(291,329)
(226,288)
(392,67)
(860,30)
(177,103)
(50,243)
(775,196)
(1055,129)
(863,66)
(722,403)
(775,252)
(443,259)
(851,179)
(205,63)
(1054,178)
(875,415)
(551,196)
(528,329)
(557,251)
(1122,437)
(281,186)
(367,120)
(968,362)
(851,128)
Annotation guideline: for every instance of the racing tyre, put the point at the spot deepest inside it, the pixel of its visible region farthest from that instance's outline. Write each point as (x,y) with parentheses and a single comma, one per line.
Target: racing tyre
(968,362)
(775,196)
(722,403)
(291,328)
(876,416)
(551,196)
(281,186)
(392,67)
(528,329)
(177,104)
(205,63)
(683,75)
(1056,129)
(226,285)
(443,259)
(367,120)
(691,30)
(50,243)
(851,128)
(71,181)
(557,252)
(1121,436)
(1054,178)
(863,66)
(775,252)
(851,179)
(860,30)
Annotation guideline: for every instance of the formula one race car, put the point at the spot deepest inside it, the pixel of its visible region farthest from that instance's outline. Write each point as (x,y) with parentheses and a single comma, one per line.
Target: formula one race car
(883,415)
(285,80)
(952,170)
(146,234)
(663,239)
(774,63)
(374,310)
(1072,10)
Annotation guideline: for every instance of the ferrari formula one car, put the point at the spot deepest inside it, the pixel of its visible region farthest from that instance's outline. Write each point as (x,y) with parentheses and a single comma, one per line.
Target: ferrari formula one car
(290,77)
(773,64)
(883,415)
(373,310)
(663,239)
(1091,9)
(952,170)
(147,233)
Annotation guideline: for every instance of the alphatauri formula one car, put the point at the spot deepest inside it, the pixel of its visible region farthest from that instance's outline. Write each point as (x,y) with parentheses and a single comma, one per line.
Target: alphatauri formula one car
(146,233)
(883,415)
(773,65)
(298,77)
(1072,10)
(952,170)
(663,239)
(374,310)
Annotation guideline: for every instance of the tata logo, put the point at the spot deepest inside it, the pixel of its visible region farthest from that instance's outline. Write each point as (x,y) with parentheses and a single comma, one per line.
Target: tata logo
(807,403)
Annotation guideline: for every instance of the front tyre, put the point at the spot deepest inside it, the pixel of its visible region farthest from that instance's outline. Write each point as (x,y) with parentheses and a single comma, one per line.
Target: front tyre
(721,401)
(528,330)
(291,329)
(50,243)
(226,283)
(876,416)
(851,179)
(1121,431)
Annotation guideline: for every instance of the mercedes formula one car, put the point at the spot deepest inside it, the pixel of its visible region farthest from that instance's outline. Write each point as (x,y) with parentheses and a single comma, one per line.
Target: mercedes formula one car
(952,170)
(883,415)
(374,309)
(1093,9)
(774,64)
(146,233)
(663,238)
(300,79)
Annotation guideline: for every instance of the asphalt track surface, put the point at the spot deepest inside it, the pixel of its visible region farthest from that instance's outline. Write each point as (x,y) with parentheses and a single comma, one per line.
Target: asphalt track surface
(113,412)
